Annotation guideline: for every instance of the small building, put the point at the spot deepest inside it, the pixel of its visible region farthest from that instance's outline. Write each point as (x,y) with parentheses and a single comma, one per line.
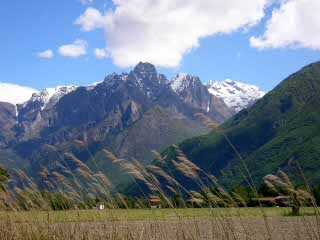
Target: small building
(100,206)
(155,202)
(283,201)
(280,201)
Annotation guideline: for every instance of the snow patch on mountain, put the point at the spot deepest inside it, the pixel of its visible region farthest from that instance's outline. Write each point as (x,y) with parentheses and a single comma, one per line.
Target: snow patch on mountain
(236,95)
(183,81)
(48,97)
(178,82)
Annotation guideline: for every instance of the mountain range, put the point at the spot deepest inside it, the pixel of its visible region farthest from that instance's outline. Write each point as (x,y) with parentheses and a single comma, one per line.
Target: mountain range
(59,131)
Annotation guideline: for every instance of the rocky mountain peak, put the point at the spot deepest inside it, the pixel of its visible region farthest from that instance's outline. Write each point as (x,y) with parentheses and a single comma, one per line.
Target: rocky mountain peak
(191,90)
(145,68)
(147,79)
(50,95)
(112,79)
(183,81)
(30,113)
(146,74)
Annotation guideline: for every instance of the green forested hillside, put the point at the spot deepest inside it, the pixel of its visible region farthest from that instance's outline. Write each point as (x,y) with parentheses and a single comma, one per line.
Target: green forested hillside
(282,130)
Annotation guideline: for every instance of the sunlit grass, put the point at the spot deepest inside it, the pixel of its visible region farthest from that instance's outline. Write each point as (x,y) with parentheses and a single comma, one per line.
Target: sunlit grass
(143,214)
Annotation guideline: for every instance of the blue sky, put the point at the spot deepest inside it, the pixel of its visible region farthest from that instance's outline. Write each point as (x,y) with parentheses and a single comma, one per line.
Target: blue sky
(30,27)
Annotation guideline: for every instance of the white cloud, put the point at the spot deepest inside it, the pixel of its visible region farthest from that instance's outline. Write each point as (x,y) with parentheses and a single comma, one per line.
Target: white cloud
(48,54)
(296,23)
(101,53)
(91,20)
(15,94)
(163,31)
(75,50)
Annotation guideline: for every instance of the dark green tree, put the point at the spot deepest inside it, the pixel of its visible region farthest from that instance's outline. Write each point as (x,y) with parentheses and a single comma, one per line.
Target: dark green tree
(316,194)
(178,201)
(243,195)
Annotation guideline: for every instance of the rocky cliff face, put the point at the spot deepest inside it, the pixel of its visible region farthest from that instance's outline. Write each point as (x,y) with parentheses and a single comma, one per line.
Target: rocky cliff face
(32,115)
(7,123)
(191,90)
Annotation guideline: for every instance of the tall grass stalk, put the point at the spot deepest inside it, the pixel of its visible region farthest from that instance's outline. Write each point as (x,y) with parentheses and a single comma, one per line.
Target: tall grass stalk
(223,213)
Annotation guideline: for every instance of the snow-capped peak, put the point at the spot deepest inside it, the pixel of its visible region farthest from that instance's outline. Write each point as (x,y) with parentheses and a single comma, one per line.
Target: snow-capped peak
(182,81)
(236,95)
(60,91)
(50,96)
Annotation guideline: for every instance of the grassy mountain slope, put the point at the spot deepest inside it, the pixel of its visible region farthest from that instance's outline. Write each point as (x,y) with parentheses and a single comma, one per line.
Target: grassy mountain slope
(279,131)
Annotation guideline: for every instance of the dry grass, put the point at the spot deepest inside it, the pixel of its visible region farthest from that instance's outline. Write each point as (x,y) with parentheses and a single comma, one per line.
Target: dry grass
(155,224)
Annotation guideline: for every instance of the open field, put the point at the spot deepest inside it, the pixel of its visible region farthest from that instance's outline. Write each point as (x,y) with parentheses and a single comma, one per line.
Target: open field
(145,214)
(241,223)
